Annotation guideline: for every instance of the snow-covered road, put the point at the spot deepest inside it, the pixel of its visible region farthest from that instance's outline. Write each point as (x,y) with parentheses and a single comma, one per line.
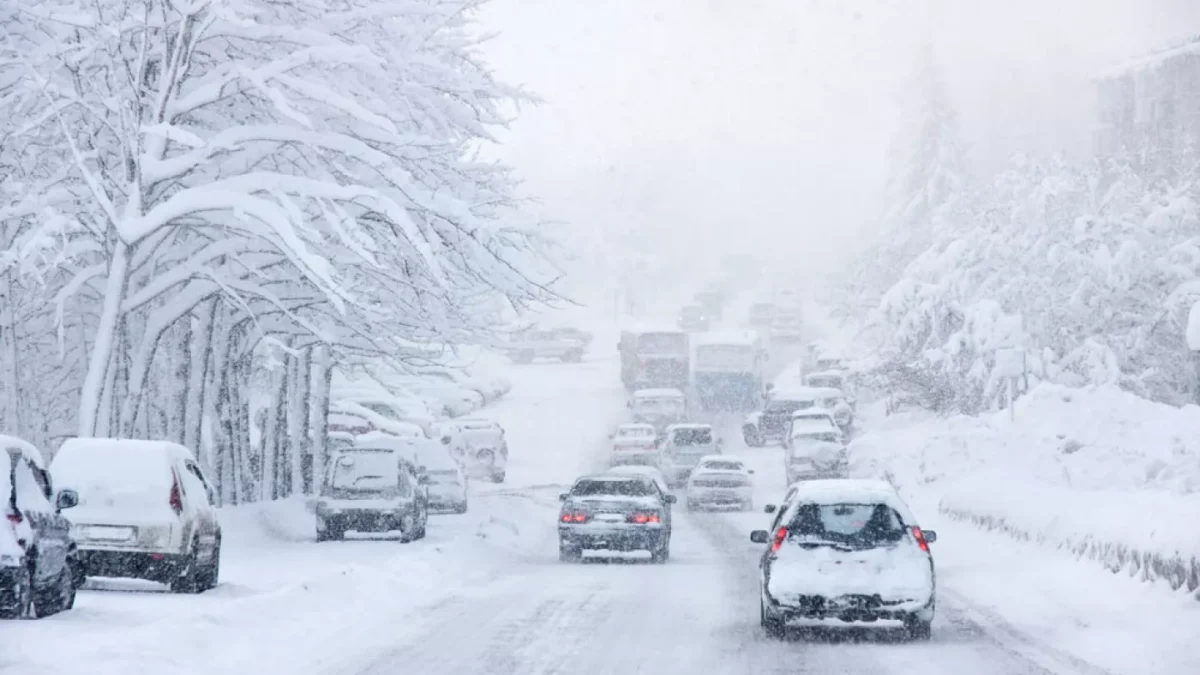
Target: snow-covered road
(486,594)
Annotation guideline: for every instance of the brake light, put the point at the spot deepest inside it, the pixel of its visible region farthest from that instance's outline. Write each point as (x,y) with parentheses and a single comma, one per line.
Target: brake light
(14,518)
(920,537)
(780,535)
(574,518)
(176,498)
(644,518)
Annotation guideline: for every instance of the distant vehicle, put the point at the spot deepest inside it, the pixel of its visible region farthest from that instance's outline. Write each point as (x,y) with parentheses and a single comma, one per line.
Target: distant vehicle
(821,543)
(814,454)
(786,326)
(634,438)
(528,345)
(359,418)
(490,389)
(693,319)
(728,371)
(772,423)
(683,446)
(616,513)
(440,475)
(761,315)
(812,420)
(408,409)
(145,511)
(458,400)
(660,408)
(371,489)
(655,359)
(479,445)
(39,566)
(582,336)
(832,379)
(718,480)
(712,300)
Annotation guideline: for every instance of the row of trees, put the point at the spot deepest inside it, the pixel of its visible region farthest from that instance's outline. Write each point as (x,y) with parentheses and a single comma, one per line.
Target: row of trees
(203,201)
(1091,268)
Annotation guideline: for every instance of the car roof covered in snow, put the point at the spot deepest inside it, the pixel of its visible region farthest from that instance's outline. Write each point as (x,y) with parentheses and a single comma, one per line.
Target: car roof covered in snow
(611,477)
(647,429)
(850,491)
(820,413)
(25,447)
(126,445)
(745,338)
(657,393)
(688,425)
(720,458)
(827,373)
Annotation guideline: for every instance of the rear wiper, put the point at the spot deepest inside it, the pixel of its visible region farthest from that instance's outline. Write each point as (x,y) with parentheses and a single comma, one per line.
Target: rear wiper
(814,543)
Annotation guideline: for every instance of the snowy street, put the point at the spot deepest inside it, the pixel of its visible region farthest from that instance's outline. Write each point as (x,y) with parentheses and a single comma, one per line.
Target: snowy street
(486,594)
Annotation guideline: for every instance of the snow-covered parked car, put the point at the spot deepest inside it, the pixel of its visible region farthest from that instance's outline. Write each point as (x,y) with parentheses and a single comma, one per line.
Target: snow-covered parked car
(489,388)
(683,447)
(849,550)
(358,416)
(411,409)
(614,512)
(146,511)
(456,399)
(440,473)
(528,345)
(39,569)
(479,445)
(719,480)
(371,487)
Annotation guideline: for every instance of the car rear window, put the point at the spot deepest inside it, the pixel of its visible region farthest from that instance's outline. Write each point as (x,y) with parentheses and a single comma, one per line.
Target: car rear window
(723,465)
(863,525)
(112,473)
(634,487)
(365,471)
(693,436)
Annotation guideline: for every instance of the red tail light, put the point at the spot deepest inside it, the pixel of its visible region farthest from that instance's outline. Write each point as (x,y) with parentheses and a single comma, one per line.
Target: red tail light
(780,535)
(14,518)
(176,498)
(920,537)
(644,518)
(574,518)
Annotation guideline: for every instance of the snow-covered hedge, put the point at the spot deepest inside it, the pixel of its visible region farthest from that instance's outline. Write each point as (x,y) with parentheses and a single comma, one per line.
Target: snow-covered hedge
(1098,471)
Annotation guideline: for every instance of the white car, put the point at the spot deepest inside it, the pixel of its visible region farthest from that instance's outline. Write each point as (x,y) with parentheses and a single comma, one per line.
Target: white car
(812,420)
(490,390)
(368,417)
(816,454)
(634,438)
(443,476)
(478,444)
(849,550)
(401,408)
(720,481)
(145,511)
(683,446)
(456,399)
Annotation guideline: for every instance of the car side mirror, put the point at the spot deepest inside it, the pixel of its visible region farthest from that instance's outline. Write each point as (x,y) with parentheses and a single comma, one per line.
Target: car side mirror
(670,499)
(770,508)
(930,536)
(760,536)
(66,499)
(750,471)
(424,479)
(562,497)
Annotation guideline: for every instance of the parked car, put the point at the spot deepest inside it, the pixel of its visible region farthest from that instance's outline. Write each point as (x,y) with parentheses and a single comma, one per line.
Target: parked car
(371,488)
(479,445)
(489,389)
(718,480)
(39,568)
(411,409)
(814,560)
(570,333)
(456,399)
(440,473)
(684,445)
(146,511)
(616,513)
(528,345)
(361,416)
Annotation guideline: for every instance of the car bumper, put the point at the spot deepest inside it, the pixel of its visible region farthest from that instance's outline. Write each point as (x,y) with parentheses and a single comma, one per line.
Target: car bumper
(634,538)
(719,496)
(363,521)
(151,566)
(447,503)
(851,608)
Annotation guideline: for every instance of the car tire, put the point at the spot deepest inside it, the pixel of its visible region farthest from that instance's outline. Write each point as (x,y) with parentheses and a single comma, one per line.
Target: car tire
(498,477)
(918,630)
(421,531)
(752,438)
(22,606)
(772,625)
(568,553)
(187,581)
(60,596)
(408,530)
(460,508)
(661,553)
(212,571)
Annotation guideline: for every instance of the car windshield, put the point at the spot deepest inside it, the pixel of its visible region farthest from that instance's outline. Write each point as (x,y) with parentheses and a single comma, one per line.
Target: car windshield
(692,436)
(722,465)
(635,433)
(832,381)
(857,525)
(375,471)
(634,487)
(816,437)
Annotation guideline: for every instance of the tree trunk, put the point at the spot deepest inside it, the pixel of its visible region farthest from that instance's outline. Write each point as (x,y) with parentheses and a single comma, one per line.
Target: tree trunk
(319,415)
(180,382)
(201,356)
(297,391)
(8,335)
(102,350)
(271,435)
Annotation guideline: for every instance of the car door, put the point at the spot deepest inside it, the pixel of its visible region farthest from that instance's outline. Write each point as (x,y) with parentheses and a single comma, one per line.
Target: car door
(51,531)
(200,497)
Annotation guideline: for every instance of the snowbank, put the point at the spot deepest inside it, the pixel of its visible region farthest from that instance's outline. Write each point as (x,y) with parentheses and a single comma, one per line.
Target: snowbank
(1098,472)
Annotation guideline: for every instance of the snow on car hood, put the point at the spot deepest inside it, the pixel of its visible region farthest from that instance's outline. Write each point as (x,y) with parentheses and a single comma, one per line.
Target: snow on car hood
(899,572)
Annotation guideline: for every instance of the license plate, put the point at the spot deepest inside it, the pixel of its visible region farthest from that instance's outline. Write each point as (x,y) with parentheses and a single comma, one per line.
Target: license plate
(102,533)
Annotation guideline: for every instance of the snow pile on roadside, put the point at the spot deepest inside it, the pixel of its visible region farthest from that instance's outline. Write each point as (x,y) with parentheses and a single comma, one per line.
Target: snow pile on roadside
(1099,472)
(258,524)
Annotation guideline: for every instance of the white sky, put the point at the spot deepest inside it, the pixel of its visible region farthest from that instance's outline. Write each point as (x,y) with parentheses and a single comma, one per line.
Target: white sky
(705,125)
